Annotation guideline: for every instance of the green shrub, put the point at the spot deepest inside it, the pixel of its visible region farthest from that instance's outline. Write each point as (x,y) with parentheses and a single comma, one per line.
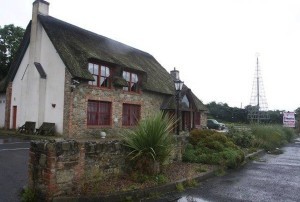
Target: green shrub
(242,138)
(150,142)
(196,135)
(28,195)
(270,137)
(210,147)
(289,134)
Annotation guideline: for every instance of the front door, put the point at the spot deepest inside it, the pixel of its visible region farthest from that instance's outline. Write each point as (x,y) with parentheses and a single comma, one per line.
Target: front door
(14,117)
(186,121)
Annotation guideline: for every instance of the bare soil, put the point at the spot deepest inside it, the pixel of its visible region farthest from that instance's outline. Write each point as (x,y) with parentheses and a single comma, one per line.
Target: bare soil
(171,173)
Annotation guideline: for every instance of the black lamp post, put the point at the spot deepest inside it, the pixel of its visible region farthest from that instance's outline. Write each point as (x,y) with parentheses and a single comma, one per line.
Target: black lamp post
(178,88)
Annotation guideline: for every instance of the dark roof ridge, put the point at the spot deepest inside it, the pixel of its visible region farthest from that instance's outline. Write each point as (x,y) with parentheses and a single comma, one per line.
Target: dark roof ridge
(93,33)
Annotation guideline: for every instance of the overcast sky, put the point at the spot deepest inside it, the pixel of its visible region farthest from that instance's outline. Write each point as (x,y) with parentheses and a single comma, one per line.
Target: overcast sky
(213,43)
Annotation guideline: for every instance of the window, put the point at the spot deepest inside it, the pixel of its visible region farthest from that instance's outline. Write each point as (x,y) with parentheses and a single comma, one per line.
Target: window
(197,118)
(185,102)
(98,113)
(132,80)
(131,114)
(101,75)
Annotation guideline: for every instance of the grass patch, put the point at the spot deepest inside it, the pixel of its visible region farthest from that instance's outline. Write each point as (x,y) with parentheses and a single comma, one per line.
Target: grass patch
(28,195)
(180,187)
(270,137)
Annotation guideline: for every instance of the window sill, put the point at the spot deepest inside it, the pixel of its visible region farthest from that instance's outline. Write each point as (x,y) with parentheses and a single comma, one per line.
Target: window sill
(132,93)
(101,88)
(98,127)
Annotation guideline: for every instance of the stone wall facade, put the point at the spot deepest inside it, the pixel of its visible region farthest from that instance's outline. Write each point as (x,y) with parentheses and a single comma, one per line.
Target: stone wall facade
(76,103)
(62,168)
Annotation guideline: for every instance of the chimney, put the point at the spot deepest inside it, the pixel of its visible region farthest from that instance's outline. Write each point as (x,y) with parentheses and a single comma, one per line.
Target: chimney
(40,7)
(175,74)
(35,86)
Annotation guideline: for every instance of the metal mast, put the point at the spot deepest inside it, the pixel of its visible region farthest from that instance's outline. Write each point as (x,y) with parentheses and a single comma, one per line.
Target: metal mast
(258,109)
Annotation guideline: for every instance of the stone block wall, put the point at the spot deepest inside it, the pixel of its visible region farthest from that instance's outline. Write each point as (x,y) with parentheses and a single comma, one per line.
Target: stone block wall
(62,168)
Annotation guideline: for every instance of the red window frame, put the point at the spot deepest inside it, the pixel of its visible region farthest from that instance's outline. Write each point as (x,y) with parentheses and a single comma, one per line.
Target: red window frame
(102,75)
(131,114)
(98,113)
(132,80)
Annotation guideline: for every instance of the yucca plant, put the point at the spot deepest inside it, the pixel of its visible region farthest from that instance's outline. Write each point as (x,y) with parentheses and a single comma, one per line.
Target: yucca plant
(151,143)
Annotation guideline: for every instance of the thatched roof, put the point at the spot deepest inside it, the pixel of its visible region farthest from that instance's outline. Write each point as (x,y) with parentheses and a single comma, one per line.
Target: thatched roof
(76,46)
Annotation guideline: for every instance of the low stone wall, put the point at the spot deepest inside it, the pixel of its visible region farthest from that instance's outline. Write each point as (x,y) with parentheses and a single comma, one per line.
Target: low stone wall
(60,168)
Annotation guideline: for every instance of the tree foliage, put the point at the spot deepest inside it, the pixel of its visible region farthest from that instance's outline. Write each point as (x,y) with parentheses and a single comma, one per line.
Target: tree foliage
(10,39)
(224,113)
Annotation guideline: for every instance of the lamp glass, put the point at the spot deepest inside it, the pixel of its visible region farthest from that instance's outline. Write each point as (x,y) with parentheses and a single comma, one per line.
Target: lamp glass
(178,85)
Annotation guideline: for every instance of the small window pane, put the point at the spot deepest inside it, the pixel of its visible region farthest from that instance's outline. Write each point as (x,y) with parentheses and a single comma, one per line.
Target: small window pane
(107,72)
(126,76)
(96,80)
(91,68)
(102,79)
(96,68)
(134,78)
(103,70)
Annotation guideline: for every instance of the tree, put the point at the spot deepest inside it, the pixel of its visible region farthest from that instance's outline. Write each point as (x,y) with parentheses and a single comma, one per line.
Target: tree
(10,39)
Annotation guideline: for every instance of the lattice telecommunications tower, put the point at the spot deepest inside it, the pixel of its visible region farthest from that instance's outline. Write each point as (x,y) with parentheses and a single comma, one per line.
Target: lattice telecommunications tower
(258,110)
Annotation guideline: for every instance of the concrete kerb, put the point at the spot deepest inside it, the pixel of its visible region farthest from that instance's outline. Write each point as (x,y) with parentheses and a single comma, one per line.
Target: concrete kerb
(253,155)
(158,190)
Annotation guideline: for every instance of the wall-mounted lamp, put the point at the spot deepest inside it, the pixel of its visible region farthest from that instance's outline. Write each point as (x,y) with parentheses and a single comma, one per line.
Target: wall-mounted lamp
(53,105)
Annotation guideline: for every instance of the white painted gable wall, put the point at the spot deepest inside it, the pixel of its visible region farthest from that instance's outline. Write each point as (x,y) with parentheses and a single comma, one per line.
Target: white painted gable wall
(33,103)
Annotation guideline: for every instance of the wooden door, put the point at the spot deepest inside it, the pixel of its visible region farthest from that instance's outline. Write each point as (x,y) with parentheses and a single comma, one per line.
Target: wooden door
(186,121)
(14,117)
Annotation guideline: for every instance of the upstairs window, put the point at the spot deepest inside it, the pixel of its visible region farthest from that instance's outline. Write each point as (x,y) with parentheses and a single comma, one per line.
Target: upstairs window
(101,74)
(131,114)
(132,80)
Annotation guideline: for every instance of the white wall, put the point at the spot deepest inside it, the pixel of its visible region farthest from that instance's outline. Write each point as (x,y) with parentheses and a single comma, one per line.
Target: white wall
(19,93)
(55,82)
(2,109)
(34,103)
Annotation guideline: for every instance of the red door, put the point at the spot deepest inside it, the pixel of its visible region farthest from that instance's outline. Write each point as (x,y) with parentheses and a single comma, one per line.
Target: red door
(14,117)
(186,121)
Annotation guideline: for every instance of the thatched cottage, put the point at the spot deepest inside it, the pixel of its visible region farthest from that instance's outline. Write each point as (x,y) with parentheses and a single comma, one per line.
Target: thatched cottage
(84,82)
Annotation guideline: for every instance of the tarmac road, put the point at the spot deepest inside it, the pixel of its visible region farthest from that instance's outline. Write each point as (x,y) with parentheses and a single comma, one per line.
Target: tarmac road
(13,167)
(269,178)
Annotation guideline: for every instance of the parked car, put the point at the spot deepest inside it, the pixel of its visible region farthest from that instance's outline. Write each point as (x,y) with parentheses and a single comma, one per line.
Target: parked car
(214,124)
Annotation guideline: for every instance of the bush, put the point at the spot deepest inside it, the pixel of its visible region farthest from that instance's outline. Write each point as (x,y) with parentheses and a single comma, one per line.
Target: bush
(28,195)
(151,142)
(242,138)
(212,148)
(270,137)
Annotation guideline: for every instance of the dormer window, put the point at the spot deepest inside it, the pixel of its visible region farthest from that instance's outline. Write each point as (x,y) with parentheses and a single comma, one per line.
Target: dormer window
(101,74)
(132,80)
